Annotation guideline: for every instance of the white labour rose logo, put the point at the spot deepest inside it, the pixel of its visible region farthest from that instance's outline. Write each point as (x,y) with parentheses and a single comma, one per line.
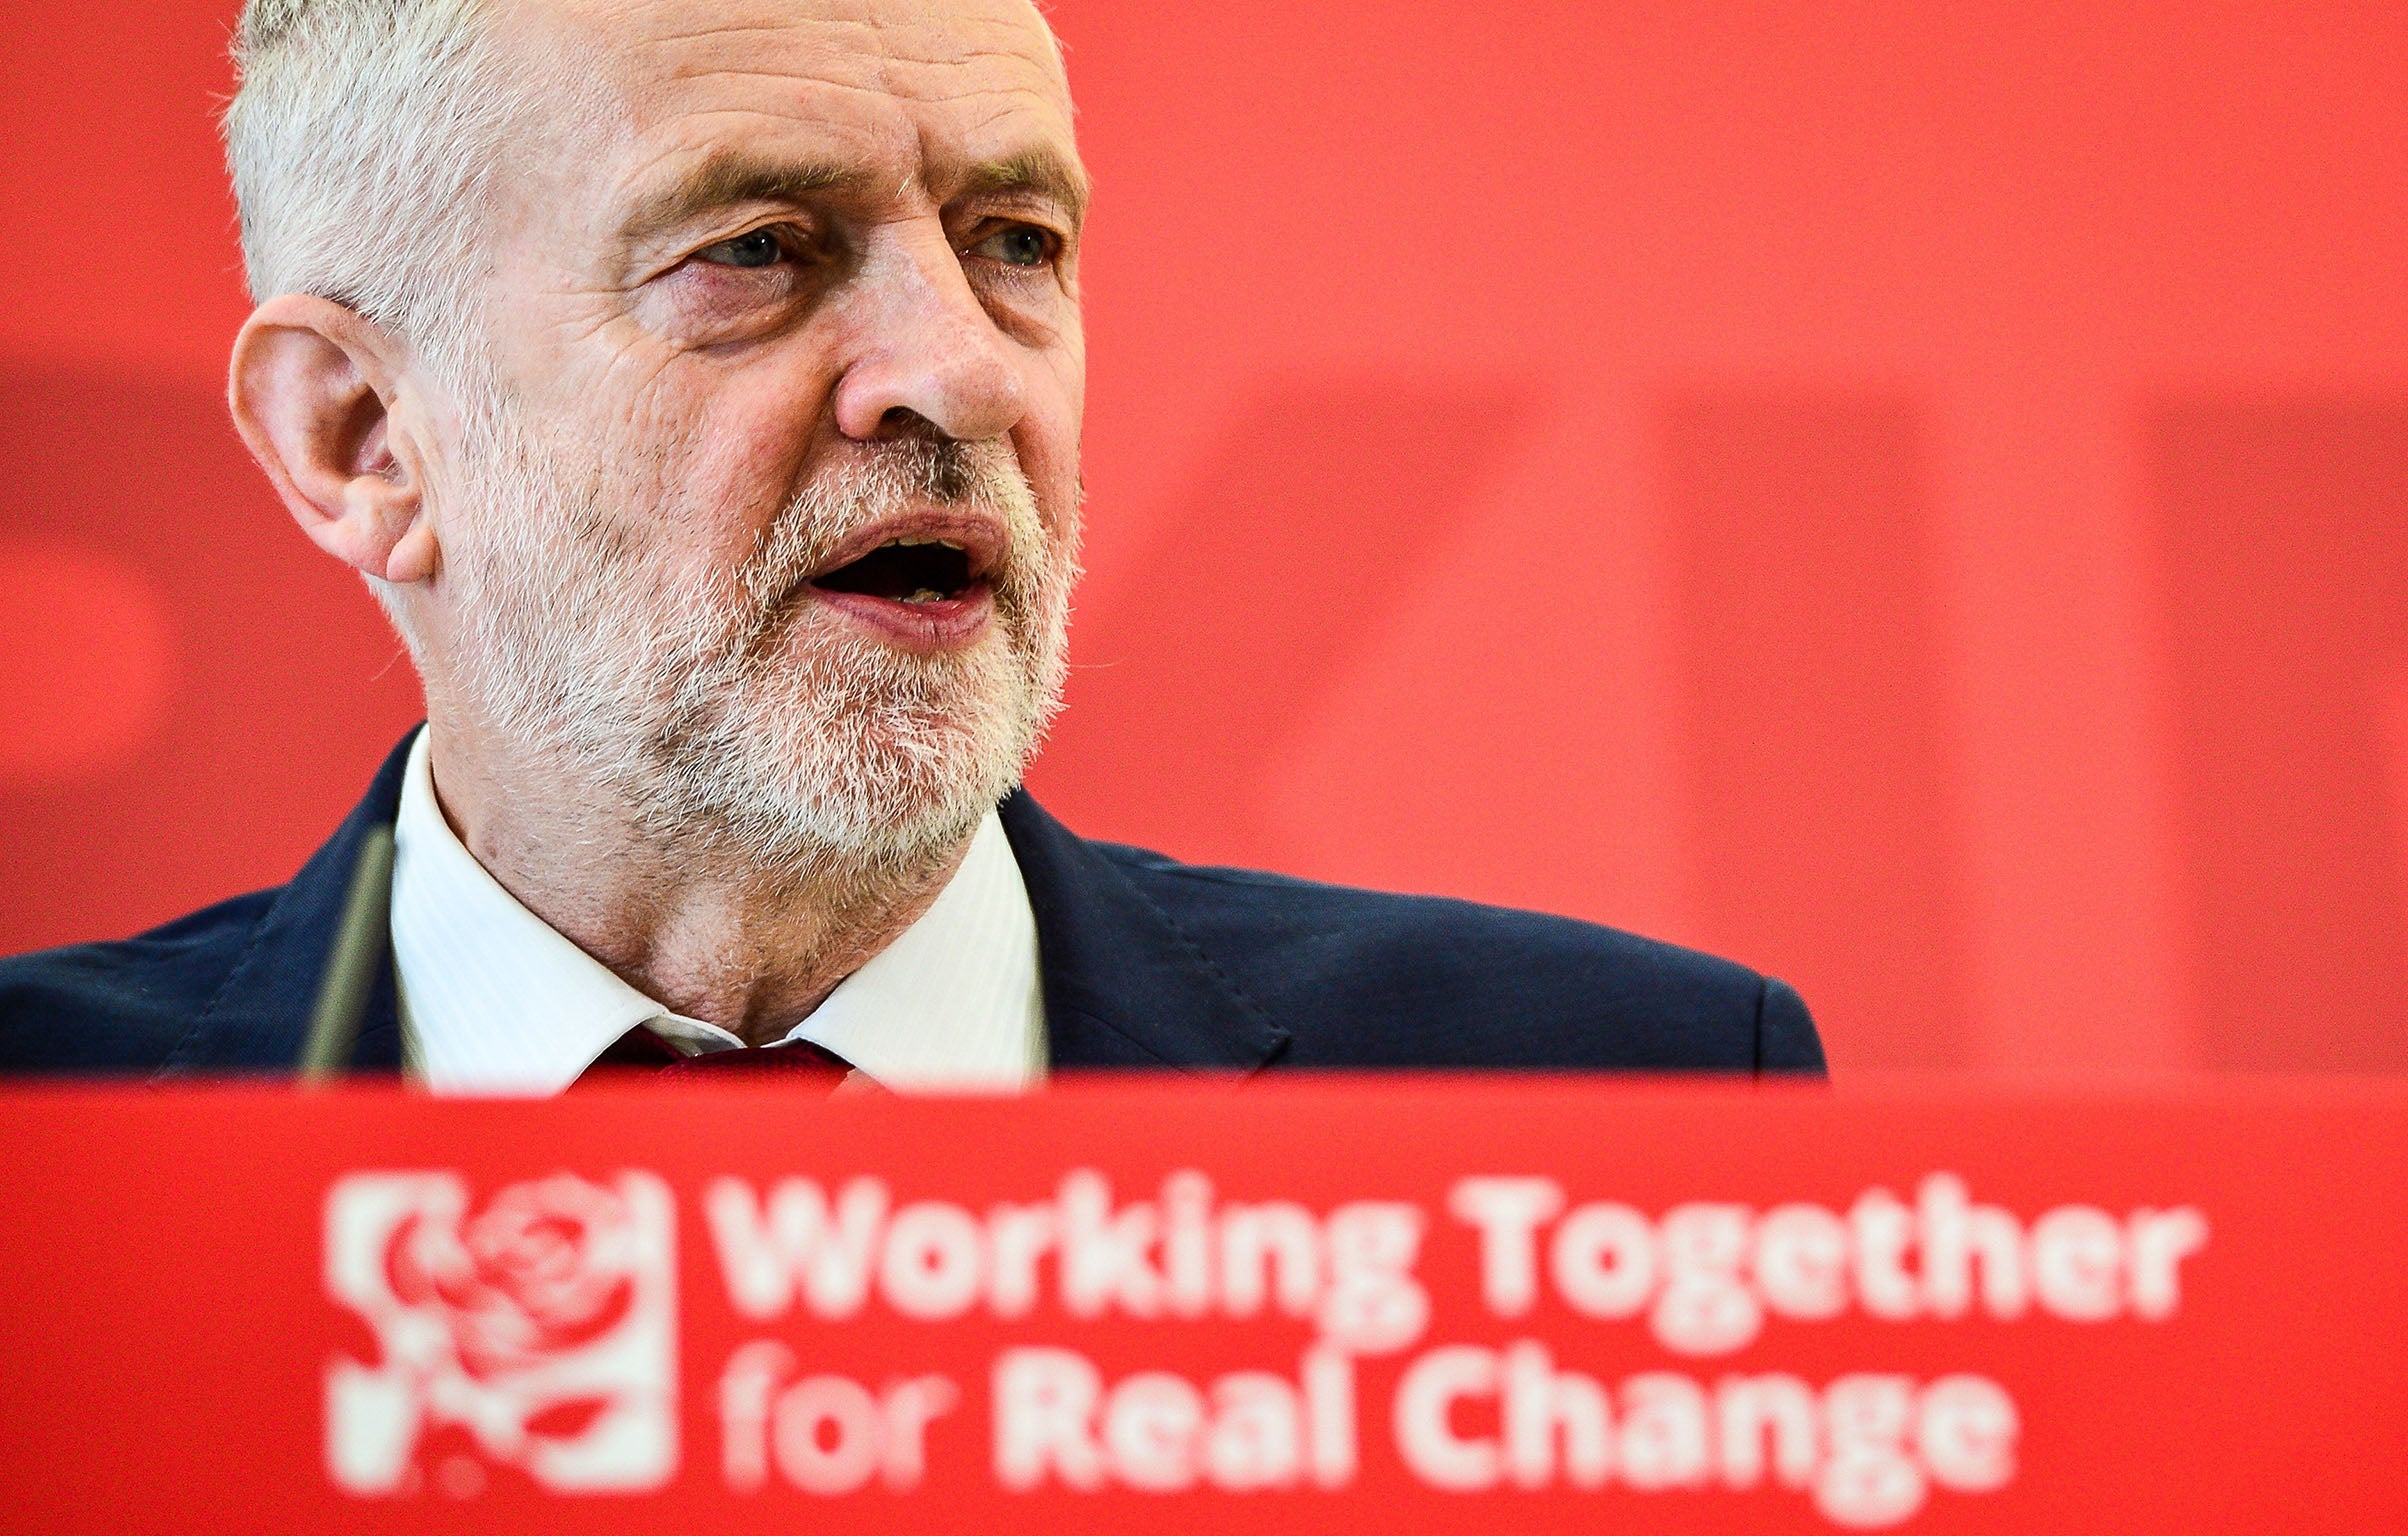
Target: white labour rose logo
(541,1325)
(546,1268)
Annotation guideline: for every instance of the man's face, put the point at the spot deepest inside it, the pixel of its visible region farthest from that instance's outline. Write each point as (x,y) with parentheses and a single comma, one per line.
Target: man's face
(766,501)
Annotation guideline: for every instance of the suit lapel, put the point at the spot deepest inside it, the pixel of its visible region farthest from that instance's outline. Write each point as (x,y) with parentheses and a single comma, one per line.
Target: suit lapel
(1124,985)
(260,1014)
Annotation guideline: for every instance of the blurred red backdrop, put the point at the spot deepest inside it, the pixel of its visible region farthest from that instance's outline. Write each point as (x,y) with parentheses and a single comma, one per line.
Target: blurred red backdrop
(1915,498)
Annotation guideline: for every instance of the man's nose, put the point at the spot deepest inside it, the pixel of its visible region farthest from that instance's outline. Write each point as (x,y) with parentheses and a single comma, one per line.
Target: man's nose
(926,352)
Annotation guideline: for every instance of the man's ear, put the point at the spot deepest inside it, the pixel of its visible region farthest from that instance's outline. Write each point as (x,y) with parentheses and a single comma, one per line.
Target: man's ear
(314,390)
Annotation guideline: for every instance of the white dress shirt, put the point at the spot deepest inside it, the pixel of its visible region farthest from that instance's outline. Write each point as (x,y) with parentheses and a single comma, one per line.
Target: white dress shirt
(494,1000)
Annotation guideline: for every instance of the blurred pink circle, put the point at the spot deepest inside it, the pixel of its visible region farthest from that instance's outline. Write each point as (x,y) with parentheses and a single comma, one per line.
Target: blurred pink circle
(86,650)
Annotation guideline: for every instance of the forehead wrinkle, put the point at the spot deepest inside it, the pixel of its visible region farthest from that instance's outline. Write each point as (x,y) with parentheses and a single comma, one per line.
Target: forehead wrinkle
(1043,167)
(874,38)
(874,43)
(879,88)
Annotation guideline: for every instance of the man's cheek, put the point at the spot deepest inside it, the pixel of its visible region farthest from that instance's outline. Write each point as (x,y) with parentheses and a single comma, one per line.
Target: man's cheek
(1049,460)
(739,460)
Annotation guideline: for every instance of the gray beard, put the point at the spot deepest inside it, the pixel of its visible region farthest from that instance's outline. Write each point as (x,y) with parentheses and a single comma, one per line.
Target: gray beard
(688,697)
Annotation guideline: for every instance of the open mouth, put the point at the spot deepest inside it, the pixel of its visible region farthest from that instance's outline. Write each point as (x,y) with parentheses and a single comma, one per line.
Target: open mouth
(911,569)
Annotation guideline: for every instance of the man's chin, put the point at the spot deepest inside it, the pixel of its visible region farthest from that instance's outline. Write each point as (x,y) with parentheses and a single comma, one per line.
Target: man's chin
(864,829)
(859,794)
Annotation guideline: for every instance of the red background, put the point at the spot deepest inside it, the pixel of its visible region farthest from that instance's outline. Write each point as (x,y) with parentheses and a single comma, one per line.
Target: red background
(1915,499)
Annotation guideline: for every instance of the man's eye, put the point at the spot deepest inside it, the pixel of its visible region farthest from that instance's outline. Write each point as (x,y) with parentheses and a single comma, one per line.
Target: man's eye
(1022,245)
(757,249)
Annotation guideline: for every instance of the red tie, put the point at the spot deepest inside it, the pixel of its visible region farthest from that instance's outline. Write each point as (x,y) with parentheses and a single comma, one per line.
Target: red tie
(640,1053)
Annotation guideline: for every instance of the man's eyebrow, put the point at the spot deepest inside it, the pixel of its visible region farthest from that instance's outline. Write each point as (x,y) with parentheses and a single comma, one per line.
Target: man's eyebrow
(1033,170)
(729,177)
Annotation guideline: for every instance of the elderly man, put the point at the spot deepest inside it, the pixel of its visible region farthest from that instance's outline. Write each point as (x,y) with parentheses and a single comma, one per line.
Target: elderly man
(697,384)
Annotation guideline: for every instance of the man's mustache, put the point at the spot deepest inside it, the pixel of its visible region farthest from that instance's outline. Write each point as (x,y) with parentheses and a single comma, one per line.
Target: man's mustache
(982,476)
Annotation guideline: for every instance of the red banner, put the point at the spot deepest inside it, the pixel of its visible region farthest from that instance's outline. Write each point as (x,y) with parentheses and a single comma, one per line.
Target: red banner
(1332,1305)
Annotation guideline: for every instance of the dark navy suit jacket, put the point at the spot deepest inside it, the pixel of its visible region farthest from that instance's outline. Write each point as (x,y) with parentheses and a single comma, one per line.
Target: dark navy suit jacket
(1146,962)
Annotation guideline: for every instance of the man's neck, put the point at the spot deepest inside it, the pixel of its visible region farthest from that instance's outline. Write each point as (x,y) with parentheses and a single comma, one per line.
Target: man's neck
(751,951)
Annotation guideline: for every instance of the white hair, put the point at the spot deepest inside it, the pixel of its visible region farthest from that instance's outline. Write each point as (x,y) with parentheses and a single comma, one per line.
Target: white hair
(360,138)
(359,141)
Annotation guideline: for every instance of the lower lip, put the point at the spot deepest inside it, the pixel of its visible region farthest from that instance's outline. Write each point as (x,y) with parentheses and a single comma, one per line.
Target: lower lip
(946,624)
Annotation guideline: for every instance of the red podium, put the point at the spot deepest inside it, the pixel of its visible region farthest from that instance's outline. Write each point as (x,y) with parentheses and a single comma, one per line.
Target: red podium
(1329,1305)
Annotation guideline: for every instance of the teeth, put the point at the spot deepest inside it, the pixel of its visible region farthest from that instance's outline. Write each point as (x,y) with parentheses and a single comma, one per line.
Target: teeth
(925,595)
(914,541)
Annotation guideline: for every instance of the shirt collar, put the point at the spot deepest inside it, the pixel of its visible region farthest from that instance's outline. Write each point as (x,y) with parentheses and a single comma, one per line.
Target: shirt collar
(954,1003)
(494,1000)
